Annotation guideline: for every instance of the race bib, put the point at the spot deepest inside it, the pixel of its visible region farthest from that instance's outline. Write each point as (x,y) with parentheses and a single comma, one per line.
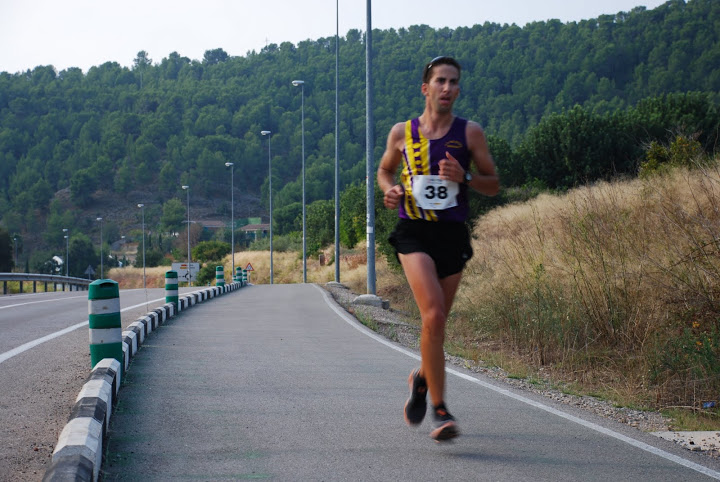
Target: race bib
(431,192)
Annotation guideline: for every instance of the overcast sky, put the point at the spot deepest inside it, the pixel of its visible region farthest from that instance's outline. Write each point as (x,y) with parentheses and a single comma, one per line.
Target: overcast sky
(84,33)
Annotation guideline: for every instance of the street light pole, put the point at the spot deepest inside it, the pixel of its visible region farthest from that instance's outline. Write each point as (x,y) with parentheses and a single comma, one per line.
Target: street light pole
(67,252)
(187,189)
(337,134)
(267,133)
(301,83)
(15,244)
(142,208)
(102,270)
(369,162)
(231,165)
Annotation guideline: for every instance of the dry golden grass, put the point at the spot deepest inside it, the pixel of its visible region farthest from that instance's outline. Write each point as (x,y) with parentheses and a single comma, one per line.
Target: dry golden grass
(130,277)
(599,281)
(288,268)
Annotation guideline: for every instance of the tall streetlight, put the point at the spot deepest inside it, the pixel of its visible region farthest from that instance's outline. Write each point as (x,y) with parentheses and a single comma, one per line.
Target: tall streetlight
(337,133)
(369,163)
(142,208)
(15,244)
(301,83)
(102,270)
(231,165)
(267,133)
(187,189)
(67,251)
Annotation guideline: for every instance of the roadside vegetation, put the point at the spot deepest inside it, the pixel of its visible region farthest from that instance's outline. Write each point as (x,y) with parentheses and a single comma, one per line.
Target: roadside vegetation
(613,287)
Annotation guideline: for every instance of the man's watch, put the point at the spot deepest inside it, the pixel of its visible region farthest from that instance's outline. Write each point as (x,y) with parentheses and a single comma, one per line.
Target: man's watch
(467,177)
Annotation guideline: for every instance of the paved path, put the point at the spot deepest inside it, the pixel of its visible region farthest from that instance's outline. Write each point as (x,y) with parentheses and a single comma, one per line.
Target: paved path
(272,383)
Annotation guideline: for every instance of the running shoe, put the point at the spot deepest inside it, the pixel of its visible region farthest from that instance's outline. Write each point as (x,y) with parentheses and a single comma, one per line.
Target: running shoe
(444,425)
(416,406)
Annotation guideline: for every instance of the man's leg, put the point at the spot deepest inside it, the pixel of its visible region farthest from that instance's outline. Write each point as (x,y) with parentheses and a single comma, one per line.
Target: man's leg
(430,296)
(449,286)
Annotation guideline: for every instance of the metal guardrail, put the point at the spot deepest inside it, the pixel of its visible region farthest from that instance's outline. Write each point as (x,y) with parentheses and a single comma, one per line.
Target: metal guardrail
(35,278)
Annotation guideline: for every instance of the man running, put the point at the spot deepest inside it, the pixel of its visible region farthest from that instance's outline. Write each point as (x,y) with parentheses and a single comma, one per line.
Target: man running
(437,151)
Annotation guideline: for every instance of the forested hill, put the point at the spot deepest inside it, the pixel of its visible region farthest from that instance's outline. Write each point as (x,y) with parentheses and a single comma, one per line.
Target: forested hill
(164,123)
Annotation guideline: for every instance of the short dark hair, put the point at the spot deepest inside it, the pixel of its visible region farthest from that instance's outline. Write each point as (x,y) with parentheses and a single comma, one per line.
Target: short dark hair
(441,60)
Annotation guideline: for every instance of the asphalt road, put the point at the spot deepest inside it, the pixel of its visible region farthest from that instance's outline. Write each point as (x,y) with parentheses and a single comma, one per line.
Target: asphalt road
(276,382)
(39,380)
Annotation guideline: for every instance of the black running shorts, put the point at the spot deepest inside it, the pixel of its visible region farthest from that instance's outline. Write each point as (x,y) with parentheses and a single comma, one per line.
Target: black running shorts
(447,243)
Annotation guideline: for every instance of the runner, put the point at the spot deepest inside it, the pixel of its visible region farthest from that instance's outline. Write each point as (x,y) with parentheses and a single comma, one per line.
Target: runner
(437,151)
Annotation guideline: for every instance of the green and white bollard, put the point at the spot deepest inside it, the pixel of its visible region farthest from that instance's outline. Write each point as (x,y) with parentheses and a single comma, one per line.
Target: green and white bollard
(105,321)
(171,288)
(238,274)
(219,276)
(244,277)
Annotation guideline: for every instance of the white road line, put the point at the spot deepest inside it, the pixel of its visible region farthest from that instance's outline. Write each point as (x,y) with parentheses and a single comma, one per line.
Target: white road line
(32,344)
(592,426)
(54,299)
(43,301)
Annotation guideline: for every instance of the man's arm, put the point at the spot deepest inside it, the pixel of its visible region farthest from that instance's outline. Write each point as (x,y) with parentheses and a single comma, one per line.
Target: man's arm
(391,159)
(486,180)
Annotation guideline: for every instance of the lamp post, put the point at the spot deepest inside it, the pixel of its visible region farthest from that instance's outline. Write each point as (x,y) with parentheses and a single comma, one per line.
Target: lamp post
(67,251)
(15,245)
(369,162)
(337,133)
(267,133)
(301,83)
(102,270)
(142,209)
(187,189)
(231,165)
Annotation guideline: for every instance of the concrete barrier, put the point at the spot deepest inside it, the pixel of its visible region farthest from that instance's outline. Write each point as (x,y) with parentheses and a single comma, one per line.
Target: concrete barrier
(79,450)
(78,453)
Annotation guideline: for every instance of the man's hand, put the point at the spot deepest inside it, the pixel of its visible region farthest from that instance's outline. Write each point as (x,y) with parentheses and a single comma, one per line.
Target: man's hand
(451,170)
(393,196)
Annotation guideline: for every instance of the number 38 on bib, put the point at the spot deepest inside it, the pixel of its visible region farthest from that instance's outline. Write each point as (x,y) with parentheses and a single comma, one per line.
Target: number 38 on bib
(431,192)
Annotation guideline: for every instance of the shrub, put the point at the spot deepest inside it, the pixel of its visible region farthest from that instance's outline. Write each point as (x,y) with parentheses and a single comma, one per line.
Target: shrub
(206,274)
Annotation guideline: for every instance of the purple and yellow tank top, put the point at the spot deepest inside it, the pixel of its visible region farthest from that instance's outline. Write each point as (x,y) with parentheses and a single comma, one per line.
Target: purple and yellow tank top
(421,157)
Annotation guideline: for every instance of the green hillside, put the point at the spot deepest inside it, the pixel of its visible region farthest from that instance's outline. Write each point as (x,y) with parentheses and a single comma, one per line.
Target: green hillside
(563,104)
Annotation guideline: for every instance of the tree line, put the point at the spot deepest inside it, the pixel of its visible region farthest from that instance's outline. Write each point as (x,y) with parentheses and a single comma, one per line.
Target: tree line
(562,104)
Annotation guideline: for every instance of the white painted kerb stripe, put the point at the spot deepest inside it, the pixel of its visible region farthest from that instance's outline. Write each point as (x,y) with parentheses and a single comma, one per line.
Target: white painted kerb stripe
(82,435)
(593,426)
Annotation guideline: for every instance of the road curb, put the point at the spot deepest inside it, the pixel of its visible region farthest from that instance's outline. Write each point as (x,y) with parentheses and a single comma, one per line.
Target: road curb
(79,451)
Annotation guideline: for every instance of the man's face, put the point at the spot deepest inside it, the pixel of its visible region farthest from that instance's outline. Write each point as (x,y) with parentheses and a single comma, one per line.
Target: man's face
(443,88)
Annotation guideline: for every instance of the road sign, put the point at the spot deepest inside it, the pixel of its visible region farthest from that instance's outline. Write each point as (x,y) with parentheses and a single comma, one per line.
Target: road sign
(249,267)
(186,273)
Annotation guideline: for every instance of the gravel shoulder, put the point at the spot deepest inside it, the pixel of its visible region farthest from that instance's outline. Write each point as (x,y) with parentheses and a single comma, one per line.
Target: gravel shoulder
(38,389)
(396,326)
